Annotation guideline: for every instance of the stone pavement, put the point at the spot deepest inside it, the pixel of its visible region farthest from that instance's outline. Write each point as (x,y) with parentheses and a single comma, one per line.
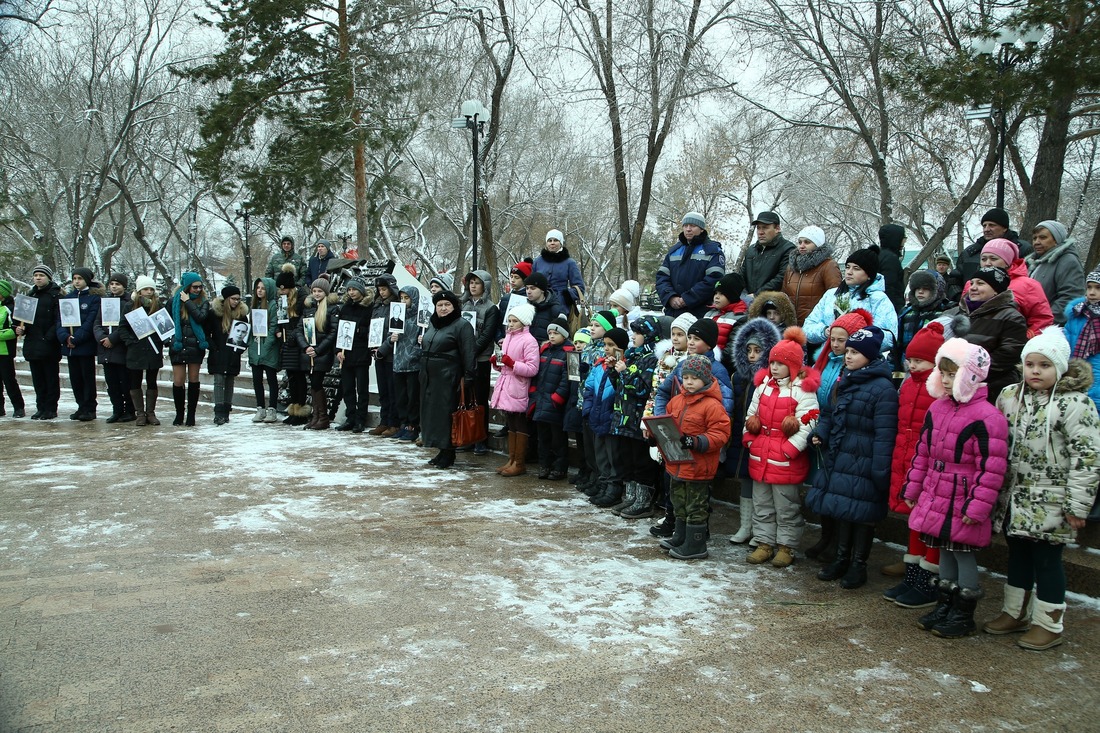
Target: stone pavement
(261,578)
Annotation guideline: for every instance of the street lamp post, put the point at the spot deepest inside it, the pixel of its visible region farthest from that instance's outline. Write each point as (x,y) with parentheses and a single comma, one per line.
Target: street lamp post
(244,214)
(474,116)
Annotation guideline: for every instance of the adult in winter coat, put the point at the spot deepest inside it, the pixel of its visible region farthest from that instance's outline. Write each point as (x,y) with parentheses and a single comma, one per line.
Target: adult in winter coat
(857,439)
(317,346)
(286,255)
(687,275)
(40,346)
(811,272)
(290,356)
(1083,329)
(386,294)
(145,355)
(766,261)
(990,320)
(1056,265)
(189,309)
(318,263)
(224,361)
(355,362)
(112,352)
(448,364)
(1030,298)
(995,225)
(518,365)
(1055,468)
(263,352)
(562,272)
(7,353)
(863,287)
(478,299)
(546,303)
(891,242)
(926,302)
(79,344)
(404,348)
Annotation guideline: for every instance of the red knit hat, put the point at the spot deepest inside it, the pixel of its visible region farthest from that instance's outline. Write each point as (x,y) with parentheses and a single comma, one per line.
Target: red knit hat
(850,322)
(790,352)
(926,343)
(523,268)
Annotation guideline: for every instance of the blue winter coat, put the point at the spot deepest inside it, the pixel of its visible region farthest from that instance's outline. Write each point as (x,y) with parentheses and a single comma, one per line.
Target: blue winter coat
(84,335)
(561,272)
(858,444)
(551,388)
(828,309)
(599,399)
(1074,325)
(691,271)
(671,386)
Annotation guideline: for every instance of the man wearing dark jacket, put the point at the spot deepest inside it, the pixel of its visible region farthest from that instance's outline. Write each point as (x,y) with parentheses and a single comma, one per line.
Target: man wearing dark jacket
(995,225)
(287,254)
(891,241)
(41,348)
(766,261)
(690,270)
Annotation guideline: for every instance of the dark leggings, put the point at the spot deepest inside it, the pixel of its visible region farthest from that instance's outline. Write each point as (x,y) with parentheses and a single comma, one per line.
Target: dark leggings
(1038,563)
(516,422)
(296,386)
(150,376)
(482,390)
(317,380)
(259,374)
(407,386)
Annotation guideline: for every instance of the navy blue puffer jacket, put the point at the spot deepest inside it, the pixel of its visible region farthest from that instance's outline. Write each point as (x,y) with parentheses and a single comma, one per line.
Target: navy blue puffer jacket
(550,390)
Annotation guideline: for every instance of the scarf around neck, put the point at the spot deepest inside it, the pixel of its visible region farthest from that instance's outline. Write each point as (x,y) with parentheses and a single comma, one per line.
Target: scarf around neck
(1088,343)
(804,263)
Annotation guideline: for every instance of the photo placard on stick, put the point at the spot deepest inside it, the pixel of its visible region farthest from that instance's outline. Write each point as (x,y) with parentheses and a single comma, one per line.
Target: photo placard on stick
(397,317)
(664,430)
(25,308)
(259,323)
(238,335)
(162,322)
(140,323)
(423,318)
(309,328)
(70,312)
(377,327)
(514,300)
(110,310)
(345,335)
(573,366)
(282,312)
(470,317)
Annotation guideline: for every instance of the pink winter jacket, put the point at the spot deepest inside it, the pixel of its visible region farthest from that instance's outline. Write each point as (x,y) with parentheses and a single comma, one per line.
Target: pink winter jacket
(958,470)
(514,383)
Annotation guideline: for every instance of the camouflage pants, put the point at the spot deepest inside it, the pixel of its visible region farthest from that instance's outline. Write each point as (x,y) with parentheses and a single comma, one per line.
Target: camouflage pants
(691,500)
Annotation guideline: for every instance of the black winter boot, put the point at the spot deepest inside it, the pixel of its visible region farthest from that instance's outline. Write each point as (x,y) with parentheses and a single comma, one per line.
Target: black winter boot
(907,582)
(960,619)
(819,550)
(843,557)
(179,397)
(611,498)
(923,592)
(694,546)
(192,403)
(947,590)
(677,537)
(665,527)
(863,537)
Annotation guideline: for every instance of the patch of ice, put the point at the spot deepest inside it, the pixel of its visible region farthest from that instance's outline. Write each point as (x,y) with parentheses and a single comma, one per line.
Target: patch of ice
(884,671)
(276,514)
(92,533)
(978,687)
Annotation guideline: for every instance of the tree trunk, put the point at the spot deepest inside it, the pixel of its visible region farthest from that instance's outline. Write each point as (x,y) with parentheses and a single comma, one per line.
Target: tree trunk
(1093,258)
(1050,164)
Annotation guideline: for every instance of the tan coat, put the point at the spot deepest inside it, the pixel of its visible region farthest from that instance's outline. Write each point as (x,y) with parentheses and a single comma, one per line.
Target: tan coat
(806,288)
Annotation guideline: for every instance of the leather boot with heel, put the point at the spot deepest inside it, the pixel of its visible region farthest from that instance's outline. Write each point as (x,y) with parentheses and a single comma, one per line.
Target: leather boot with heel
(863,538)
(139,407)
(843,557)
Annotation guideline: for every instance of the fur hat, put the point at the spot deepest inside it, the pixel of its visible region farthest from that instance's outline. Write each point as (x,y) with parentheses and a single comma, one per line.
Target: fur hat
(926,343)
(555,234)
(813,233)
(524,313)
(791,350)
(997,216)
(619,336)
(730,285)
(705,329)
(322,283)
(994,277)
(582,336)
(606,319)
(558,325)
(867,341)
(697,366)
(144,281)
(866,260)
(85,273)
(1006,249)
(622,300)
(44,270)
(537,280)
(229,291)
(684,322)
(1052,344)
(523,269)
(973,363)
(694,217)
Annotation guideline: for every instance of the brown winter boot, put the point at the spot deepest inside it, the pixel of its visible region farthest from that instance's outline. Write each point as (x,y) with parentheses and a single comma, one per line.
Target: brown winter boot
(377,430)
(139,407)
(320,412)
(1015,613)
(511,453)
(519,461)
(151,406)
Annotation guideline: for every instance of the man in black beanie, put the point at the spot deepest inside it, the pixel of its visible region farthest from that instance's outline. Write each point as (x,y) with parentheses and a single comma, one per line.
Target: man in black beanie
(995,225)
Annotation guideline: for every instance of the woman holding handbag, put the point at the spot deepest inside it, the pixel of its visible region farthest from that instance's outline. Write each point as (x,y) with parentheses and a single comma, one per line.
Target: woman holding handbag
(448,364)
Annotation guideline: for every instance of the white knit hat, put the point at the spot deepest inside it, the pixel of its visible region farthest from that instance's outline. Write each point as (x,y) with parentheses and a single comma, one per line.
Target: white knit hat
(683,322)
(524,313)
(622,299)
(142,282)
(813,233)
(555,234)
(1052,344)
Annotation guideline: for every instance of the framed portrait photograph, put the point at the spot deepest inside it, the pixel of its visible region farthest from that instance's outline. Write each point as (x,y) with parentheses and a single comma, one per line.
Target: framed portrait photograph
(345,335)
(70,312)
(377,328)
(259,323)
(470,317)
(140,323)
(25,308)
(573,366)
(664,430)
(309,328)
(282,311)
(424,318)
(110,311)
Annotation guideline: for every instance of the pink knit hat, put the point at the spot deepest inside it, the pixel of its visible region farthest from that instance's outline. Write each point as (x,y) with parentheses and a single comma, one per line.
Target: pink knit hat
(973,362)
(1006,249)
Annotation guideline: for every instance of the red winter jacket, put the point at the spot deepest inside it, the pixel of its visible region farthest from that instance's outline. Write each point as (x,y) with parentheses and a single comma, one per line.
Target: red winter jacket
(913,403)
(701,415)
(727,319)
(778,456)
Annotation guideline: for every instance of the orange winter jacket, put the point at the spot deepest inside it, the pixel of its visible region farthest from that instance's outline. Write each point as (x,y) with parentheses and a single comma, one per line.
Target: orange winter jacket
(702,416)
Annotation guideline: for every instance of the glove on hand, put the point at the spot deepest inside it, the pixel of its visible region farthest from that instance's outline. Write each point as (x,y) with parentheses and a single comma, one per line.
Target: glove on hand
(508,360)
(687,441)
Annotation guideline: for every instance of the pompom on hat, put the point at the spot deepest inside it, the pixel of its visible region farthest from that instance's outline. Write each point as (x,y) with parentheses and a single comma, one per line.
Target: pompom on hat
(524,313)
(790,351)
(1052,344)
(926,343)
(622,300)
(973,363)
(558,325)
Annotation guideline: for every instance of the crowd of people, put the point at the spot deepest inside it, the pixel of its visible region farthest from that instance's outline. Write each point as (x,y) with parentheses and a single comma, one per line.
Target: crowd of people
(956,398)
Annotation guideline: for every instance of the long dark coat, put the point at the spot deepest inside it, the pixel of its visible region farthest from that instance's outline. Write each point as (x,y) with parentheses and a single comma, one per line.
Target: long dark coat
(142,354)
(448,358)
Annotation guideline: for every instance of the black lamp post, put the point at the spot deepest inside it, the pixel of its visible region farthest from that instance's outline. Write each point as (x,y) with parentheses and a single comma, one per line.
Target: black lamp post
(474,117)
(244,214)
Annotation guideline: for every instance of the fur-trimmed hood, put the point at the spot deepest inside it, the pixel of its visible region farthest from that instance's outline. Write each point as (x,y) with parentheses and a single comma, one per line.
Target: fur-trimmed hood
(735,353)
(218,306)
(1078,377)
(781,302)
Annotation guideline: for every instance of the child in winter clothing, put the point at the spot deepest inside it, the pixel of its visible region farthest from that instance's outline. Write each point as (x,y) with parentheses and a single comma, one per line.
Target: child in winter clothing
(633,382)
(1031,299)
(572,423)
(744,357)
(321,311)
(518,274)
(79,344)
(404,351)
(601,323)
(144,356)
(927,300)
(921,563)
(598,410)
(774,305)
(777,427)
(355,362)
(552,393)
(1055,468)
(385,294)
(518,364)
(263,352)
(704,428)
(702,338)
(727,308)
(1083,330)
(7,353)
(224,361)
(857,438)
(112,353)
(989,319)
(954,481)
